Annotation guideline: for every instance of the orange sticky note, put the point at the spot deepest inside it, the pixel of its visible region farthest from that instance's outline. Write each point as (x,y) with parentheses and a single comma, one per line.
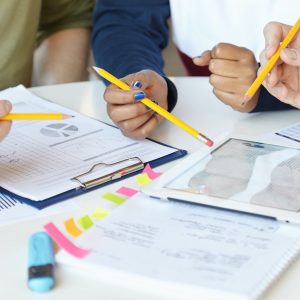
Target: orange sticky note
(71,228)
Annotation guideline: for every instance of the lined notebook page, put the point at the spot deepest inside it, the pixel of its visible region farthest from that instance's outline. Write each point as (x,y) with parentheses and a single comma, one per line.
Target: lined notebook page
(190,249)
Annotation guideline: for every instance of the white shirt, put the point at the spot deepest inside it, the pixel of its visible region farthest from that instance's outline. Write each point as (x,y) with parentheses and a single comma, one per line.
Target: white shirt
(199,25)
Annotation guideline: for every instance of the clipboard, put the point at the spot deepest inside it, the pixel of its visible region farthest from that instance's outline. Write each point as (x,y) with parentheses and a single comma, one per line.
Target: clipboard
(135,166)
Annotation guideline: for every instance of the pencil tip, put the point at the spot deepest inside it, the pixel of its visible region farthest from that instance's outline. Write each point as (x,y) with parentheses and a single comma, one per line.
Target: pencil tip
(67,117)
(96,69)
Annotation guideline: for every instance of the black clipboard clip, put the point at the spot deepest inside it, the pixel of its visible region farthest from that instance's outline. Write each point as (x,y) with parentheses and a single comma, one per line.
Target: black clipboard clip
(132,164)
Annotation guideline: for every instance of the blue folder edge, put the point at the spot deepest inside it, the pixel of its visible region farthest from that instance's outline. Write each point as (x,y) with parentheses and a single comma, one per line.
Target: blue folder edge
(72,193)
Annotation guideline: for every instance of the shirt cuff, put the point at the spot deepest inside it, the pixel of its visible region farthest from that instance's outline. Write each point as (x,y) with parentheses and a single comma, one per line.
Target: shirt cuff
(172,94)
(267,102)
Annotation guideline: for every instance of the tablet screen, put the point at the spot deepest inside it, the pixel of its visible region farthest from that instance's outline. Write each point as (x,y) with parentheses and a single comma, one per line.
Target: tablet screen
(246,171)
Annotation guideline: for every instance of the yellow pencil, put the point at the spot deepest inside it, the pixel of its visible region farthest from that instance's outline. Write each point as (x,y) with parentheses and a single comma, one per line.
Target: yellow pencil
(270,64)
(34,116)
(122,85)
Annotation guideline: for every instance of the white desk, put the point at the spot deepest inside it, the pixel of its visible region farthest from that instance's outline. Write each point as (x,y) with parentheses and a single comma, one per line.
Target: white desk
(198,107)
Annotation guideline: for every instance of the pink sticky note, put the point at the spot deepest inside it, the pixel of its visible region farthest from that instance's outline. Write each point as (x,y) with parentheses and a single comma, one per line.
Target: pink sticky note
(152,174)
(126,191)
(64,242)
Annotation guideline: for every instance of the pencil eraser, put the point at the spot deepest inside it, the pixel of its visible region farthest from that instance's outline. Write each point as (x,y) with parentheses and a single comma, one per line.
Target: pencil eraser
(40,262)
(209,143)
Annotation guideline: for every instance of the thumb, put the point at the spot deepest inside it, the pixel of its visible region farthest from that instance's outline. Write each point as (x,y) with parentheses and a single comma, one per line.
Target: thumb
(5,107)
(203,59)
(291,56)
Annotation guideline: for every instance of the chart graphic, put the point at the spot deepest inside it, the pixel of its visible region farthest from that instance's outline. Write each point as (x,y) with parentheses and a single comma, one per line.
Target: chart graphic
(59,130)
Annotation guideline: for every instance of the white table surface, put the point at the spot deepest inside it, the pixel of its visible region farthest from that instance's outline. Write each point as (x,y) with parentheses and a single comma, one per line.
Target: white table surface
(198,107)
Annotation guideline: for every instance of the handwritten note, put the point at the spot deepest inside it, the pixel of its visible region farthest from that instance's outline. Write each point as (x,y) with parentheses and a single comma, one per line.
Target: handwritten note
(184,245)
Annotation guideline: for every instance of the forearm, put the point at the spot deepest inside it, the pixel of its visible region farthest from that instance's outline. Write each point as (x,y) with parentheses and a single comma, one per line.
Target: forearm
(62,57)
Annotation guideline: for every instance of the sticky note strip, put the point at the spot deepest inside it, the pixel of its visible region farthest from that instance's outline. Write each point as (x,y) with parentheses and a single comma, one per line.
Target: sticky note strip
(152,174)
(126,191)
(85,222)
(113,198)
(72,228)
(100,213)
(143,179)
(64,242)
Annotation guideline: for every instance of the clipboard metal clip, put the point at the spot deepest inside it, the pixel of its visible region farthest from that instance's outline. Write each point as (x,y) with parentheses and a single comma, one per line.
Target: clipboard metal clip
(128,166)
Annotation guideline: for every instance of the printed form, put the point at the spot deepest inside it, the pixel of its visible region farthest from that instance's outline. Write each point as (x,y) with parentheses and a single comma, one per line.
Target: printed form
(39,158)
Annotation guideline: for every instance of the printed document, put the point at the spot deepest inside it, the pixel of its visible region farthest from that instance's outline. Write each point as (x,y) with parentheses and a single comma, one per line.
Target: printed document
(39,158)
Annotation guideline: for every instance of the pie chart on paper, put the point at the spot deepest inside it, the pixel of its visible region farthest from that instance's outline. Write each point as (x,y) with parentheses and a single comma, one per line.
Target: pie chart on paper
(59,130)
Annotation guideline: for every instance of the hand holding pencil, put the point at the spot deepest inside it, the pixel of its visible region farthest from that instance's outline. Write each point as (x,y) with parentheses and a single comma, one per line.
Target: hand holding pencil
(5,108)
(283,81)
(133,112)
(278,38)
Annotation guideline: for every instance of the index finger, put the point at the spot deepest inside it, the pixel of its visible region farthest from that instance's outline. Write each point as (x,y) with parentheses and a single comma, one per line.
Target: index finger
(274,33)
(114,95)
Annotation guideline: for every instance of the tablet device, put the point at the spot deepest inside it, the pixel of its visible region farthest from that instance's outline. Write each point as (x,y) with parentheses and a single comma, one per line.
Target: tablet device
(240,175)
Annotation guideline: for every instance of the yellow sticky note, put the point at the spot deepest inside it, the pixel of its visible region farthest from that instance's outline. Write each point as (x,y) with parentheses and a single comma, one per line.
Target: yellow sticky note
(71,228)
(113,198)
(143,179)
(85,222)
(100,213)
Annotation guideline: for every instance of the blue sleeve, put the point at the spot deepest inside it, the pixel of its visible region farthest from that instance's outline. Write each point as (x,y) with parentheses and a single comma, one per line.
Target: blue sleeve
(128,36)
(267,102)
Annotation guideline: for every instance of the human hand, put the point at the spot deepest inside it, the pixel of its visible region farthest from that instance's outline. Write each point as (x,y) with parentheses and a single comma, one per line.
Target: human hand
(135,119)
(5,108)
(283,81)
(233,70)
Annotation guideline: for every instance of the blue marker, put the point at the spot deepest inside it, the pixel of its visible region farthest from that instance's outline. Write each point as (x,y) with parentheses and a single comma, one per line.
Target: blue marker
(40,262)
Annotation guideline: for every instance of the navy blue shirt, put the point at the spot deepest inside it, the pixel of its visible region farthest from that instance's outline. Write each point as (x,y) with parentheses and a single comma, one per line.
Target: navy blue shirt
(129,36)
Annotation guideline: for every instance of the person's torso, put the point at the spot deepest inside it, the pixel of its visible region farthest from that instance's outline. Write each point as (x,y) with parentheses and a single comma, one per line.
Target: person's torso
(19,25)
(200,24)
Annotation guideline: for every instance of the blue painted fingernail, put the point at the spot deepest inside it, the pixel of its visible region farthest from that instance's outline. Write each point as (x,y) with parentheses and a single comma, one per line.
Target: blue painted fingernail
(137,84)
(139,96)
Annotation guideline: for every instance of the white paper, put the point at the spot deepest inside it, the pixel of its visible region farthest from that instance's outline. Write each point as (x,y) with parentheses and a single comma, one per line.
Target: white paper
(190,247)
(39,158)
(13,211)
(291,132)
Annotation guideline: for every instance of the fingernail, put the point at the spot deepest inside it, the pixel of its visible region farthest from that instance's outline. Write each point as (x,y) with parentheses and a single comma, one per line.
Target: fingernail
(7,107)
(291,53)
(139,96)
(137,84)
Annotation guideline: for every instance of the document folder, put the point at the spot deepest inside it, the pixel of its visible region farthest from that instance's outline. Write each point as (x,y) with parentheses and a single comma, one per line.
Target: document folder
(97,182)
(44,162)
